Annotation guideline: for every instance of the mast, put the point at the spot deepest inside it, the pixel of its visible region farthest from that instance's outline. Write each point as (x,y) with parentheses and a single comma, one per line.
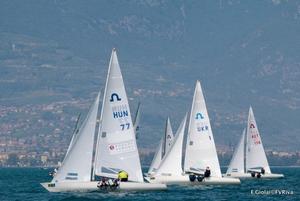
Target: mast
(136,122)
(255,156)
(116,147)
(200,148)
(101,116)
(172,161)
(164,140)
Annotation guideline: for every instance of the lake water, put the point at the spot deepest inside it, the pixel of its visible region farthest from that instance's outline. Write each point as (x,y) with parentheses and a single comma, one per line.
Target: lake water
(23,184)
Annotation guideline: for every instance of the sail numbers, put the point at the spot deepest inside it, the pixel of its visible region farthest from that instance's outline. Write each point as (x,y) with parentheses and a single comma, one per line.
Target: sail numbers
(125,126)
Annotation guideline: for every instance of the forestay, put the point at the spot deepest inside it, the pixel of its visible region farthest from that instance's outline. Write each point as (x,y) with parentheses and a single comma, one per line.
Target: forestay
(77,164)
(75,134)
(238,160)
(171,163)
(255,154)
(116,147)
(200,148)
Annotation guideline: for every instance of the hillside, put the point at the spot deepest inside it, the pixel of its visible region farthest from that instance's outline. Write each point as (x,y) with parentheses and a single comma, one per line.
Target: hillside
(54,57)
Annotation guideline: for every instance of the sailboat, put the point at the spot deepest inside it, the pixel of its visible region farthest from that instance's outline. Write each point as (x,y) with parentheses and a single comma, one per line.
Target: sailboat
(163,148)
(116,147)
(170,168)
(200,151)
(250,161)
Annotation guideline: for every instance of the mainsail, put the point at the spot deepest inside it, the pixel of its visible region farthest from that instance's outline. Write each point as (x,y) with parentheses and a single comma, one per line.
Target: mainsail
(200,148)
(237,163)
(77,163)
(168,138)
(163,148)
(172,162)
(255,154)
(116,147)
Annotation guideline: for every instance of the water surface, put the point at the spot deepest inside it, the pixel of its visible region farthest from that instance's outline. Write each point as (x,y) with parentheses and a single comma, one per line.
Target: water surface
(23,184)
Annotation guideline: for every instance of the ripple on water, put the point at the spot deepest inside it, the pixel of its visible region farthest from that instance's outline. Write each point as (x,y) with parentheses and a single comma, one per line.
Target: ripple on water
(23,184)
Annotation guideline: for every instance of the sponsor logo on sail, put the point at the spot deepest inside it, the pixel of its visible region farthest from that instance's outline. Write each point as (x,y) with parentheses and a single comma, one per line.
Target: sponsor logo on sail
(114,97)
(199,115)
(122,147)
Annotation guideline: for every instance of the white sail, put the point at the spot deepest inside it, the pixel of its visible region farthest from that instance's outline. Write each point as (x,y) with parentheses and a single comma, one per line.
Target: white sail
(77,165)
(116,147)
(136,123)
(156,159)
(200,148)
(255,153)
(237,163)
(172,162)
(74,136)
(168,138)
(163,148)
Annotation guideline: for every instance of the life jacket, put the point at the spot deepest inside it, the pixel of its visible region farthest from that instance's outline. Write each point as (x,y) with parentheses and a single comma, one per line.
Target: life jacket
(123,175)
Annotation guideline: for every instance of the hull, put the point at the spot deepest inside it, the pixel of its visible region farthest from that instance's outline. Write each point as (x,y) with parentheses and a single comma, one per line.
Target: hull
(249,176)
(92,187)
(184,180)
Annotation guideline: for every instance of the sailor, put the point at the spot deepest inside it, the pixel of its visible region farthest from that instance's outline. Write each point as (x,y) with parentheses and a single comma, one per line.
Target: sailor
(102,183)
(258,175)
(123,175)
(99,184)
(53,173)
(110,182)
(263,170)
(116,182)
(192,177)
(207,172)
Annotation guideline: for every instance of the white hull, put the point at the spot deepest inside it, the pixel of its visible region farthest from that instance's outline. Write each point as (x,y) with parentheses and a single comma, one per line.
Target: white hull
(92,186)
(249,176)
(184,180)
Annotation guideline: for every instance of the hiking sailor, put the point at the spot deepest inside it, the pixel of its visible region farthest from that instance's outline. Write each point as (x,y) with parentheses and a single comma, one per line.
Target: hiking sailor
(123,175)
(207,172)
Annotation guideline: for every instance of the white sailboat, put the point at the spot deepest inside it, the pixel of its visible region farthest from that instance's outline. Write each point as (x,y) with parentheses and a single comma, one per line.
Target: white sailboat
(254,163)
(170,167)
(163,148)
(200,152)
(116,147)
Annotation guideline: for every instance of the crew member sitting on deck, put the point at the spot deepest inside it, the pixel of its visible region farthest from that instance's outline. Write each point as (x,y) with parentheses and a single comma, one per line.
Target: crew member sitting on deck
(123,176)
(263,170)
(207,172)
(102,183)
(53,173)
